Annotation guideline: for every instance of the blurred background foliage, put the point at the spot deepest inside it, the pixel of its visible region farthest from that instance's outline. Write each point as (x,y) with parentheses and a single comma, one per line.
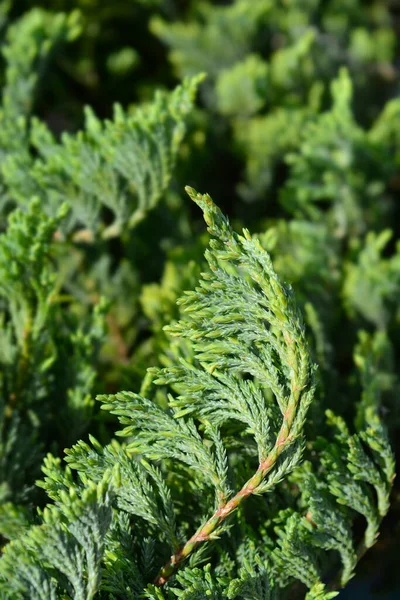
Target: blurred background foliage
(296,135)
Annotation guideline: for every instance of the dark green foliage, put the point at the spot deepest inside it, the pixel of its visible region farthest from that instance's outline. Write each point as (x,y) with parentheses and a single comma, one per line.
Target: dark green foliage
(45,354)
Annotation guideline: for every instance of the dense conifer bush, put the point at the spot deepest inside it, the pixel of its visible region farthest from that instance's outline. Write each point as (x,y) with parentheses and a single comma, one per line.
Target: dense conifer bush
(243,441)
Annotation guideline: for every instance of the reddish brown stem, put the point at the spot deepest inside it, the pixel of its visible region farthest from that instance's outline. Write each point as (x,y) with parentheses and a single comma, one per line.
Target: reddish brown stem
(205,532)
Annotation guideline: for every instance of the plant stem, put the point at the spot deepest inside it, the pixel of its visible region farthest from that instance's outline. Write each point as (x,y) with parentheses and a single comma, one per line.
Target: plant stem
(204,533)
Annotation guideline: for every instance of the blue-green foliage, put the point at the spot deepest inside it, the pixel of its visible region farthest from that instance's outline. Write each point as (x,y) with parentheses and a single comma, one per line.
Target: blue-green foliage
(183,439)
(243,471)
(123,164)
(71,539)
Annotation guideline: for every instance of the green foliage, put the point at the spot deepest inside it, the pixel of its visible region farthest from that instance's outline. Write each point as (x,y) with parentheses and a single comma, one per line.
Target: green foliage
(38,337)
(257,447)
(373,278)
(249,377)
(350,468)
(242,89)
(337,161)
(269,66)
(374,359)
(30,42)
(71,540)
(254,141)
(123,164)
(227,33)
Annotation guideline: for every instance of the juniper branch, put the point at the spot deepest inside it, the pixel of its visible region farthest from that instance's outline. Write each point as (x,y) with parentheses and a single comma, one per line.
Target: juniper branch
(281,316)
(205,532)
